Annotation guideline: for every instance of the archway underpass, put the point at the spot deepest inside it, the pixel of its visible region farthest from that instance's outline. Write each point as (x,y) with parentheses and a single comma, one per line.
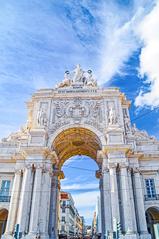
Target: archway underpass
(74,144)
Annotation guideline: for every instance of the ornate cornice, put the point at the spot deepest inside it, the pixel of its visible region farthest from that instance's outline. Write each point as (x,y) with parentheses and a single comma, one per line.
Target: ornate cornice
(51,155)
(19,156)
(117,148)
(133,154)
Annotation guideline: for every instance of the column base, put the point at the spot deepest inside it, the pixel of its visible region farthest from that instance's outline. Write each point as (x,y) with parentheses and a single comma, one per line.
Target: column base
(145,236)
(34,236)
(5,236)
(29,236)
(130,236)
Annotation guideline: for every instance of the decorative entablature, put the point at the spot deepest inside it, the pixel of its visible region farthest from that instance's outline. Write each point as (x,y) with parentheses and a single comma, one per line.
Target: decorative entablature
(124,101)
(77,103)
(81,103)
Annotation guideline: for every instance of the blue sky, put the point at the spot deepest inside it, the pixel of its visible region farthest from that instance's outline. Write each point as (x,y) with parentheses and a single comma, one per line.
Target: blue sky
(117,39)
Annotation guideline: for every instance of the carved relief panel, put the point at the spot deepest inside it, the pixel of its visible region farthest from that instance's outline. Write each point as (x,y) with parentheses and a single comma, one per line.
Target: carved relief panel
(42,114)
(77,110)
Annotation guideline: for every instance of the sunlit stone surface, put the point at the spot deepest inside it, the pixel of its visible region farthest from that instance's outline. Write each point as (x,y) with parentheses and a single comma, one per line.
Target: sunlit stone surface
(79,118)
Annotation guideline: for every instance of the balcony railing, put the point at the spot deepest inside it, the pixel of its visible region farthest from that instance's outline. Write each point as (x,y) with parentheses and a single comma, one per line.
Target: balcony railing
(151,198)
(5,198)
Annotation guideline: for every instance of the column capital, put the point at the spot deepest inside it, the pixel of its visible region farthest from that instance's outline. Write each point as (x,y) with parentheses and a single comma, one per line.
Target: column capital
(105,169)
(136,170)
(18,172)
(98,173)
(123,165)
(58,173)
(112,165)
(28,166)
(129,169)
(51,155)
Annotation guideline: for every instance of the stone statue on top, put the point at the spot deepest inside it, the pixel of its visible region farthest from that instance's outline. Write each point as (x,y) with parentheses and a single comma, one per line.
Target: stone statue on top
(78,77)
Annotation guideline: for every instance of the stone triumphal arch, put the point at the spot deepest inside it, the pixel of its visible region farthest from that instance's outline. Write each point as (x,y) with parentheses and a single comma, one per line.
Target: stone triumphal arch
(78,117)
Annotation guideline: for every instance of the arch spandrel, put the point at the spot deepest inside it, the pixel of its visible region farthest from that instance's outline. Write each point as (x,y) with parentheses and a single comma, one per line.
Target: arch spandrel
(76,141)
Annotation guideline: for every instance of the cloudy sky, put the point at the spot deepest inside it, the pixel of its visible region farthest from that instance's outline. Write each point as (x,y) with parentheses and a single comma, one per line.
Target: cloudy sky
(117,39)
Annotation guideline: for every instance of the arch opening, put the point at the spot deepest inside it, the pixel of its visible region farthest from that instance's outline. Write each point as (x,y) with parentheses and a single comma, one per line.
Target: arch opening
(3,220)
(152,217)
(82,187)
(76,141)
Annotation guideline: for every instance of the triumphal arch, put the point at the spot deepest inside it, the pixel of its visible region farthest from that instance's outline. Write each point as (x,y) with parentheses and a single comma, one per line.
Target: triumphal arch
(78,117)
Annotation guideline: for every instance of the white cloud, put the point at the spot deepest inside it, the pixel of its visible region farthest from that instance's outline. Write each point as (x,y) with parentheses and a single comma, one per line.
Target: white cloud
(77,186)
(87,199)
(6,129)
(86,203)
(148,31)
(119,39)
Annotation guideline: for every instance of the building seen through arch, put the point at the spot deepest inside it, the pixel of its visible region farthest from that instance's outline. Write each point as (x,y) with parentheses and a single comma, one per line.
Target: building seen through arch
(78,117)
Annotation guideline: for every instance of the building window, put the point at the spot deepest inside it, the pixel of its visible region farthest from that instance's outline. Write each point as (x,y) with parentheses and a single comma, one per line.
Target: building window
(5,187)
(64,203)
(62,228)
(150,188)
(63,219)
(63,210)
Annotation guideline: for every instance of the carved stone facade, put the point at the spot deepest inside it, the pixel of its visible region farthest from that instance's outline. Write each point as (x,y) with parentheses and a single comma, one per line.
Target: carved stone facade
(78,117)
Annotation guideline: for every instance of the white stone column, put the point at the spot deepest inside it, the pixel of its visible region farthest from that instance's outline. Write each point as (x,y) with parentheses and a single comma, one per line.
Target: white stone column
(13,207)
(102,207)
(107,201)
(53,218)
(24,199)
(34,218)
(126,204)
(114,196)
(132,199)
(45,202)
(139,202)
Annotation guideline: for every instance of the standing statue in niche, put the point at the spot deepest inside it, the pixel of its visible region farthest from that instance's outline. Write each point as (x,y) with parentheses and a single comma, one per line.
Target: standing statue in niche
(42,117)
(127,123)
(112,119)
